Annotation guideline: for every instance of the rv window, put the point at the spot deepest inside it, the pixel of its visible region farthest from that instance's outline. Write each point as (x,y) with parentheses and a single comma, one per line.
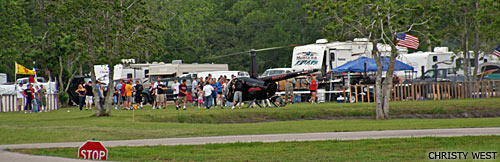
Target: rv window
(129,75)
(332,55)
(146,72)
(434,58)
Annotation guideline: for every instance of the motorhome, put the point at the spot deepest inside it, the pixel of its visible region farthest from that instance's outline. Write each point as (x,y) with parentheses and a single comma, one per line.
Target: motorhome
(177,70)
(324,56)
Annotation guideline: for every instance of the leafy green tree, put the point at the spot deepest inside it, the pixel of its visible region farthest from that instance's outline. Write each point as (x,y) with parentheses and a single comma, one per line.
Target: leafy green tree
(377,20)
(15,35)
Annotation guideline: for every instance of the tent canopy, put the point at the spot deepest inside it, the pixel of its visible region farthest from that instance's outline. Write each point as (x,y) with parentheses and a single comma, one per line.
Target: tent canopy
(358,65)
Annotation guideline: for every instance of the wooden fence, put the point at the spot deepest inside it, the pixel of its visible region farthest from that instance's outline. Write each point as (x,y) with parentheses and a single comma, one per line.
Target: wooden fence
(8,103)
(427,91)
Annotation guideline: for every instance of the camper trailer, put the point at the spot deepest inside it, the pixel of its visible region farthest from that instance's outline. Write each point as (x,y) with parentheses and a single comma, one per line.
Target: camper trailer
(440,58)
(324,56)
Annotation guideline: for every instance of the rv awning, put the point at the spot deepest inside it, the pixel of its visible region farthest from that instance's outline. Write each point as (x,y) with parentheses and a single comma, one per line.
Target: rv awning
(358,65)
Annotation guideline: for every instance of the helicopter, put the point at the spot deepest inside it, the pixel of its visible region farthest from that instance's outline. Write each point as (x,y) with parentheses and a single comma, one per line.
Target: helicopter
(254,87)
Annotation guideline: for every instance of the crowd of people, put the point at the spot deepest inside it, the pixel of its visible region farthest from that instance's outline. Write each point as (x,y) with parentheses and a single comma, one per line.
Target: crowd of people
(205,92)
(35,98)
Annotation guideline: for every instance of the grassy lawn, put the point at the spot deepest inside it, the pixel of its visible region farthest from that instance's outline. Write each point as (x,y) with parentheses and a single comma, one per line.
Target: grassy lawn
(406,149)
(75,126)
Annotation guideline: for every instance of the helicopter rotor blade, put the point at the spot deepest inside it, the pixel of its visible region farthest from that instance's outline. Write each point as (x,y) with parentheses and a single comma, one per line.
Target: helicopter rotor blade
(257,50)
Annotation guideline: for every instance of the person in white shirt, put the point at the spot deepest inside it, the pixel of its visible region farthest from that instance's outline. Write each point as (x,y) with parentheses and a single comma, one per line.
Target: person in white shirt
(19,96)
(155,93)
(175,89)
(207,92)
(194,90)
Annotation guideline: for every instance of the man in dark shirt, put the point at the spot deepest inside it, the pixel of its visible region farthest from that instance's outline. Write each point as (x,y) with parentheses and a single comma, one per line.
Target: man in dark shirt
(161,96)
(28,93)
(89,96)
(182,93)
(238,94)
(138,93)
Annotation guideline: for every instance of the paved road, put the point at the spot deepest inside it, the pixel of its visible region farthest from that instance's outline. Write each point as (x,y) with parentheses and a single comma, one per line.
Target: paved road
(254,138)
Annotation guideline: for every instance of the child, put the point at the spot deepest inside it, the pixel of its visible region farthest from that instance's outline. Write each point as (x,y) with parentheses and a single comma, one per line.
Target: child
(200,97)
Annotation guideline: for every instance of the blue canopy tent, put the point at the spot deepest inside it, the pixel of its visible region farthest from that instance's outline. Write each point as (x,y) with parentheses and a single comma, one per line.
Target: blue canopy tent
(358,65)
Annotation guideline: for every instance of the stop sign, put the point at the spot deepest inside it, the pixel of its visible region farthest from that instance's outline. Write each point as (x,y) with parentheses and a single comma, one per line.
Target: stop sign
(93,150)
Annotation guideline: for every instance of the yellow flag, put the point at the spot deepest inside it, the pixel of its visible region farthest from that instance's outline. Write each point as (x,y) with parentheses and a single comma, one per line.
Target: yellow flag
(20,69)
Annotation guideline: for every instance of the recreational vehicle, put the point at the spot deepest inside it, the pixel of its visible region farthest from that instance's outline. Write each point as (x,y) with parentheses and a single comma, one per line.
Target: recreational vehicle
(324,56)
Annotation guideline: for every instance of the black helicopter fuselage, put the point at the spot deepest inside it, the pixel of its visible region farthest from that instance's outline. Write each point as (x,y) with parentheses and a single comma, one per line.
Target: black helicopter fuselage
(258,88)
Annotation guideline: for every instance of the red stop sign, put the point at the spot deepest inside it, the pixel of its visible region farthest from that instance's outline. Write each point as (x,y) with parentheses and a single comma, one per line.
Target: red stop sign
(93,150)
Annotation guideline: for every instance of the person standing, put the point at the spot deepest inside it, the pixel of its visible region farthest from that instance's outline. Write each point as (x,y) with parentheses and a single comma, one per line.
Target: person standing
(200,97)
(175,90)
(119,97)
(218,86)
(89,96)
(161,96)
(238,93)
(42,97)
(36,102)
(138,93)
(154,92)
(214,92)
(313,88)
(124,94)
(289,90)
(101,94)
(128,94)
(19,97)
(194,90)
(183,91)
(29,95)
(207,92)
(81,95)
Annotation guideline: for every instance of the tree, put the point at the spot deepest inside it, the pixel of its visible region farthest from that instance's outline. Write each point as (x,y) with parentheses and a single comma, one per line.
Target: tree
(377,20)
(15,35)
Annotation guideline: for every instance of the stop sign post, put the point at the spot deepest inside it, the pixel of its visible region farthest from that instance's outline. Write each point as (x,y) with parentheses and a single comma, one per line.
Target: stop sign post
(93,150)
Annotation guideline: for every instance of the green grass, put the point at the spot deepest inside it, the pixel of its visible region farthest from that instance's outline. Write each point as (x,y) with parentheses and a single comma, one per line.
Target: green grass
(77,126)
(305,111)
(406,149)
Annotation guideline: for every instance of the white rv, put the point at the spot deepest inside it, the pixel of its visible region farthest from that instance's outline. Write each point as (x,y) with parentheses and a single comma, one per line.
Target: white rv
(177,70)
(324,56)
(423,61)
(442,58)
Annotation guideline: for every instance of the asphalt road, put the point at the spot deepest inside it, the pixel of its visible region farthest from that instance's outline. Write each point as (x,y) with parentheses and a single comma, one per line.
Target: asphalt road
(10,156)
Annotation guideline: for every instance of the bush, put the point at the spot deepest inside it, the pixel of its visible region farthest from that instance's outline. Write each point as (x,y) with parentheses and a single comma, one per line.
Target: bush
(64,98)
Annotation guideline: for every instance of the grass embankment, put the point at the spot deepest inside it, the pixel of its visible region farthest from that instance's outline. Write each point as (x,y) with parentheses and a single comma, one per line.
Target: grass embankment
(407,149)
(305,111)
(75,126)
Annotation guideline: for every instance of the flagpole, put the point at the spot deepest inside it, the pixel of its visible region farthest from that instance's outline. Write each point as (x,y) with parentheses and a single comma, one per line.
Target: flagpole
(34,69)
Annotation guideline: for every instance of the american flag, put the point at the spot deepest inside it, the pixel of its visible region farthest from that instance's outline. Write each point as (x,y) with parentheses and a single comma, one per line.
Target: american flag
(497,51)
(407,40)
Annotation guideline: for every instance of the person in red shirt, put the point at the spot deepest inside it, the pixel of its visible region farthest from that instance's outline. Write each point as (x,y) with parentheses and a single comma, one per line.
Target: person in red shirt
(183,93)
(313,88)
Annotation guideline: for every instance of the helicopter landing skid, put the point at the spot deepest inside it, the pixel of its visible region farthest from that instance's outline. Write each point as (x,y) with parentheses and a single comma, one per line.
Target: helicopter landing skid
(254,102)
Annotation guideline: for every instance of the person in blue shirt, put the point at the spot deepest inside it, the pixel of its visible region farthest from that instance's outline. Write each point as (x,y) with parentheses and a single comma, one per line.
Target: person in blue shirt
(218,84)
(101,96)
(214,93)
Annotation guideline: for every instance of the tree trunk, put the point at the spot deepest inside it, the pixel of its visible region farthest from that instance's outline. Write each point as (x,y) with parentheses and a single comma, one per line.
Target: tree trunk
(60,78)
(379,93)
(476,43)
